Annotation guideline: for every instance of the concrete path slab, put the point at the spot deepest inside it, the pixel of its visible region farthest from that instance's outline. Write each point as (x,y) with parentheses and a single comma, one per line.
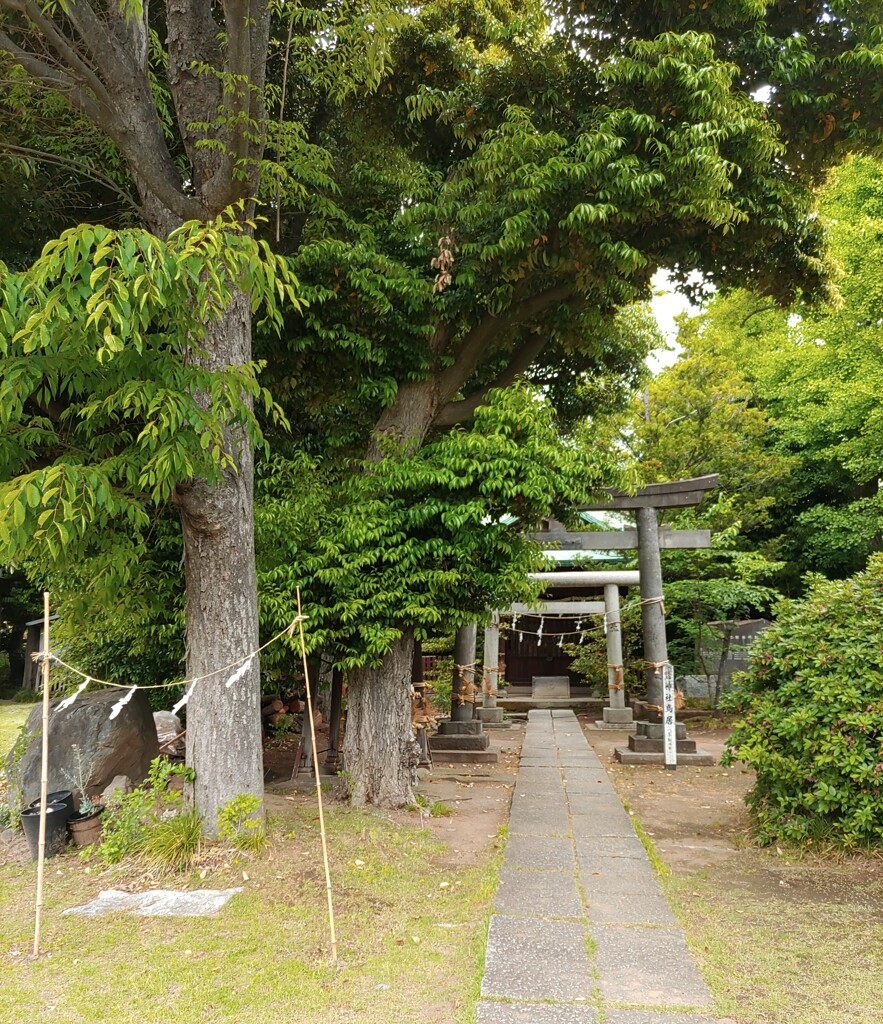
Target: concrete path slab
(649,966)
(655,1017)
(581,924)
(538,894)
(536,958)
(535,1013)
(540,852)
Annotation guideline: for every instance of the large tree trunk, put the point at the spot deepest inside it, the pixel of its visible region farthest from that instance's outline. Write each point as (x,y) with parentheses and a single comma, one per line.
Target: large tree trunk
(223,725)
(380,754)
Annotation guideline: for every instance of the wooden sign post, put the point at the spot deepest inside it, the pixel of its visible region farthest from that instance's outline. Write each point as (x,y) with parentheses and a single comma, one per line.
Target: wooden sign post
(669,725)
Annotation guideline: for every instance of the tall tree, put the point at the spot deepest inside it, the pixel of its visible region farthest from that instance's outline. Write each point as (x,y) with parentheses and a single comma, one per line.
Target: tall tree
(516,180)
(180,92)
(519,177)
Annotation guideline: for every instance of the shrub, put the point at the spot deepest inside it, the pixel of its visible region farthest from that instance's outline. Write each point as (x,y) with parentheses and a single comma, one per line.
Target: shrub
(172,843)
(130,817)
(811,710)
(238,825)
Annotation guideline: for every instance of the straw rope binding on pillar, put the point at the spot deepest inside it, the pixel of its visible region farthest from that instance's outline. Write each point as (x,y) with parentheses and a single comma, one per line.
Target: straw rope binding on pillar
(466,695)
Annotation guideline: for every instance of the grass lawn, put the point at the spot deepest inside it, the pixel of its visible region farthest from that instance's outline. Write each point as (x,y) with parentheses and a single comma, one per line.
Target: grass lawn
(802,947)
(12,718)
(411,925)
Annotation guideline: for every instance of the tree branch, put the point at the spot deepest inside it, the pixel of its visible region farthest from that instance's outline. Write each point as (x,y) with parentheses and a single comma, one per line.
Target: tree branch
(121,102)
(459,412)
(84,170)
(50,76)
(476,341)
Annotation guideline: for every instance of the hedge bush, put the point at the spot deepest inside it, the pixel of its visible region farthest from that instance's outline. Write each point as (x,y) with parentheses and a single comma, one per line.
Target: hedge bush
(812,716)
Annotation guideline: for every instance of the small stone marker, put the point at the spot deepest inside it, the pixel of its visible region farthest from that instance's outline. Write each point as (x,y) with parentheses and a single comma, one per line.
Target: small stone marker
(157,903)
(668,717)
(550,686)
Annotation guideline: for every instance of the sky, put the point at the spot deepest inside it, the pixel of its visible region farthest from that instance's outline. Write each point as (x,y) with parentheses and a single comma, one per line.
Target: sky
(666,306)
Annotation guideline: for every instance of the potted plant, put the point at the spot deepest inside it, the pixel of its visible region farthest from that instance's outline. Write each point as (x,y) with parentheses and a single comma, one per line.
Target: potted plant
(85,825)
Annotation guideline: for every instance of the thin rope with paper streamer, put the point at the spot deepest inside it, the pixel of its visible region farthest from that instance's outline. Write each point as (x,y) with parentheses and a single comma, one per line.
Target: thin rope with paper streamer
(185,698)
(178,682)
(66,703)
(122,702)
(242,671)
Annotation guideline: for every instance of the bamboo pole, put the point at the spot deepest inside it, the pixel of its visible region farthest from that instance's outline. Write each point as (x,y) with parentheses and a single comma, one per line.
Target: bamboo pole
(303,652)
(44,777)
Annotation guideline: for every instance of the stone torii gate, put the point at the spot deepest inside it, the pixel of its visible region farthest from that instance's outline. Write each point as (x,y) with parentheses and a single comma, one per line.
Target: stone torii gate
(647,746)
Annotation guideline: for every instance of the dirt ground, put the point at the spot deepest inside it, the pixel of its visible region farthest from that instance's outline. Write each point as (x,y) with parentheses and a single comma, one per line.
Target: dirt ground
(695,816)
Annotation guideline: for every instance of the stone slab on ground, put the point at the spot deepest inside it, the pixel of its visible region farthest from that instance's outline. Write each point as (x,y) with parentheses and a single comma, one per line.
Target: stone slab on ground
(527,819)
(701,757)
(467,756)
(536,959)
(538,894)
(647,966)
(656,1017)
(602,822)
(540,853)
(157,903)
(633,907)
(535,1013)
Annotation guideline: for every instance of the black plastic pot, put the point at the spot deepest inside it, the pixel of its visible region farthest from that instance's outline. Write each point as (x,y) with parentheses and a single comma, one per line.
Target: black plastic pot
(56,829)
(61,796)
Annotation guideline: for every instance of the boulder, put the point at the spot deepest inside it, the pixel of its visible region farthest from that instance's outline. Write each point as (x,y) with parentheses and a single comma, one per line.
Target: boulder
(119,784)
(168,726)
(124,745)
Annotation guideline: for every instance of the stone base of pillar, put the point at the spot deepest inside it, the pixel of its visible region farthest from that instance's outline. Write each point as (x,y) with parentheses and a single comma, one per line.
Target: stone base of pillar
(471,728)
(488,715)
(462,741)
(636,757)
(466,756)
(479,741)
(617,718)
(656,730)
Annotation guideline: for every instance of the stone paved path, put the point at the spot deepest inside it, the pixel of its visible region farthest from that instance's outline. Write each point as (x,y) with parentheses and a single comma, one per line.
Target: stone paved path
(580,924)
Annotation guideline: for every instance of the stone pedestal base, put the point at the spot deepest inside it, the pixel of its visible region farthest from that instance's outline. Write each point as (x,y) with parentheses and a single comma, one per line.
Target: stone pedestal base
(615,727)
(700,757)
(656,731)
(617,718)
(550,686)
(476,741)
(648,747)
(462,741)
(468,756)
(471,728)
(492,718)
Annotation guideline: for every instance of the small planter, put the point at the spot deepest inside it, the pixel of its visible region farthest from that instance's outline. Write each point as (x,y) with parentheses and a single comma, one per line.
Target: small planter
(61,796)
(85,829)
(56,834)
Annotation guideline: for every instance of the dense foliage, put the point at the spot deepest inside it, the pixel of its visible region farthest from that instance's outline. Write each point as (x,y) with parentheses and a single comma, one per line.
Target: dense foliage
(424,539)
(811,710)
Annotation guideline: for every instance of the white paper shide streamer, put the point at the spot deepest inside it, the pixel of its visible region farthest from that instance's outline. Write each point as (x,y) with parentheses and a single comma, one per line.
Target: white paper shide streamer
(66,703)
(121,703)
(184,699)
(243,670)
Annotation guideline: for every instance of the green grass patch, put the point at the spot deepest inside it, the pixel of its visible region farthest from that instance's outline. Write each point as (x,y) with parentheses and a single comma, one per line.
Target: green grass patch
(411,922)
(12,717)
(792,953)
